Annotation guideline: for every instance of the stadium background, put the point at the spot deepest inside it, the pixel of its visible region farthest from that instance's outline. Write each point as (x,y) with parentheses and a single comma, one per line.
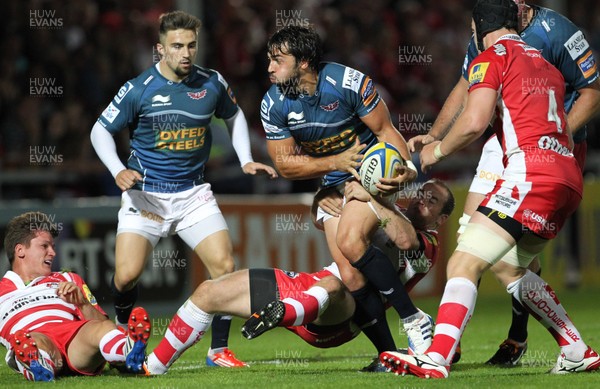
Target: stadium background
(63,61)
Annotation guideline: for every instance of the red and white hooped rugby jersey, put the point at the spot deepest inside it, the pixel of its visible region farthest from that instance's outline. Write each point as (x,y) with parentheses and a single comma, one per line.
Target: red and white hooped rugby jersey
(531,108)
(36,304)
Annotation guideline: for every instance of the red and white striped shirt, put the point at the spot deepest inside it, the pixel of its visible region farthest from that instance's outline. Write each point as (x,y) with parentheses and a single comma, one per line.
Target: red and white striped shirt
(36,304)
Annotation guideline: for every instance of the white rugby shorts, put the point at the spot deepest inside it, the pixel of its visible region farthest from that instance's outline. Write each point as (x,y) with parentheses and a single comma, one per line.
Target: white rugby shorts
(490,167)
(155,215)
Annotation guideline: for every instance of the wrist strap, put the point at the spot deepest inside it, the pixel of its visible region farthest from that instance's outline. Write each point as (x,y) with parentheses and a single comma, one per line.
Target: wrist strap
(437,152)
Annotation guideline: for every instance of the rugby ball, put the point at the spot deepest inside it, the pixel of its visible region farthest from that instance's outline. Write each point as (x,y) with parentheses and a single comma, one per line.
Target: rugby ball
(379,161)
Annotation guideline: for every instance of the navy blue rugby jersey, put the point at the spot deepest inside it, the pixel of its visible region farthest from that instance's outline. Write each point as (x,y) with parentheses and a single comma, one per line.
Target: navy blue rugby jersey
(563,45)
(170,125)
(328,122)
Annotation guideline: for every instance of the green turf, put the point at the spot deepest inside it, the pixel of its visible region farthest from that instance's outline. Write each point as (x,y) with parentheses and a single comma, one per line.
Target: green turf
(281,360)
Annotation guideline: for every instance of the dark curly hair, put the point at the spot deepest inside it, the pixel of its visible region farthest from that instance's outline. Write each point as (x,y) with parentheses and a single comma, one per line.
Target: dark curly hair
(303,43)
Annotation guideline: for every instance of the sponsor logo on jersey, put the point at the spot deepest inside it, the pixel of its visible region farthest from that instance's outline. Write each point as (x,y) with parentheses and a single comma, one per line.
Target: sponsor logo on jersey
(197,95)
(351,79)
(477,73)
(186,139)
(160,100)
(231,95)
(576,45)
(110,113)
(330,107)
(295,116)
(331,80)
(551,143)
(123,92)
(291,274)
(88,294)
(368,92)
(587,64)
(270,128)
(265,107)
(499,49)
(328,145)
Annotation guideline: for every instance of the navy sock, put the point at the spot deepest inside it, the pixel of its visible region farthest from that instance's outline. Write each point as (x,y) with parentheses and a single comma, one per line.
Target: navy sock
(520,317)
(123,301)
(369,315)
(220,331)
(380,272)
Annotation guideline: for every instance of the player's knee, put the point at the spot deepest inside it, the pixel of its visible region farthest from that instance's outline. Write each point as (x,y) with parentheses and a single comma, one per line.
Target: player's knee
(351,243)
(333,286)
(126,279)
(46,344)
(204,295)
(353,280)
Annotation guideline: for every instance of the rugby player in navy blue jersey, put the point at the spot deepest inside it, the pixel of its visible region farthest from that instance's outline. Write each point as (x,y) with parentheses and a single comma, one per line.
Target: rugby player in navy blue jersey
(318,117)
(563,45)
(168,109)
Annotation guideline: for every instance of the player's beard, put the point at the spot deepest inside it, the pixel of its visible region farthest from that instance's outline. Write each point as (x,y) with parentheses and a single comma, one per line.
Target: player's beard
(291,85)
(181,73)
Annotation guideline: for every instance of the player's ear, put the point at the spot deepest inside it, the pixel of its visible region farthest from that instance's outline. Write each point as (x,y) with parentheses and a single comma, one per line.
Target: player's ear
(161,49)
(441,220)
(20,250)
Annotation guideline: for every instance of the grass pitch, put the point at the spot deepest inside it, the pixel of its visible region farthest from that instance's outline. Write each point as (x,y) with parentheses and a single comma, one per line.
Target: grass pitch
(281,360)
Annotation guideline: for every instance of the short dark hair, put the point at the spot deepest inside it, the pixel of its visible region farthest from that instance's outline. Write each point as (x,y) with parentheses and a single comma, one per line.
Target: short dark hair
(25,227)
(450,203)
(177,20)
(303,43)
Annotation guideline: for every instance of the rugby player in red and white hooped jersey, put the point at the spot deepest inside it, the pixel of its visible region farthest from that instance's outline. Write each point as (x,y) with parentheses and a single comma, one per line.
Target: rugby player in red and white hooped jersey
(50,322)
(564,45)
(315,306)
(540,187)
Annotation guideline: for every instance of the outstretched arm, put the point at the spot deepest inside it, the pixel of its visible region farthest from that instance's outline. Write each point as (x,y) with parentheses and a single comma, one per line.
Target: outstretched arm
(240,139)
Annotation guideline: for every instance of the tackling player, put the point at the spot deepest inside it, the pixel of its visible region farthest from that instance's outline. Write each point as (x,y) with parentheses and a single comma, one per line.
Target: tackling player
(317,307)
(564,46)
(541,185)
(168,109)
(50,321)
(318,116)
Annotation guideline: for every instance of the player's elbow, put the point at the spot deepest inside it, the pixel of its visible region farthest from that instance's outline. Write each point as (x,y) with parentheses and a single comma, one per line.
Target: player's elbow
(406,241)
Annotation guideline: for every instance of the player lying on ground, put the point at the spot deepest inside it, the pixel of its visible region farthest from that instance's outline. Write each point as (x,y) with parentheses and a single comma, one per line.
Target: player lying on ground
(50,321)
(317,306)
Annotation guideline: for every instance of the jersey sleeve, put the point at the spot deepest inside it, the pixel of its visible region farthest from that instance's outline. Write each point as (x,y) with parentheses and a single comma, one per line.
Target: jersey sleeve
(469,57)
(122,110)
(359,90)
(273,118)
(87,292)
(227,105)
(572,55)
(429,251)
(486,70)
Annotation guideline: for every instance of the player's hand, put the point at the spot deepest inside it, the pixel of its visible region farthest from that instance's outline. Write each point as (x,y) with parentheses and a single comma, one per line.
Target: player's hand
(427,158)
(355,191)
(254,168)
(416,143)
(388,186)
(349,160)
(330,201)
(127,178)
(70,293)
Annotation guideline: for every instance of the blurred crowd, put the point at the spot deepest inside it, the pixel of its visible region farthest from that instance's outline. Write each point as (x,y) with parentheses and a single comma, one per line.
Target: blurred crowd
(64,60)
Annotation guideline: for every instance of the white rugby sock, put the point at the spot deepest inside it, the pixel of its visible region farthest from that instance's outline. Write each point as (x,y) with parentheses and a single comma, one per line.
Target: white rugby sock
(541,301)
(112,346)
(185,329)
(456,308)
